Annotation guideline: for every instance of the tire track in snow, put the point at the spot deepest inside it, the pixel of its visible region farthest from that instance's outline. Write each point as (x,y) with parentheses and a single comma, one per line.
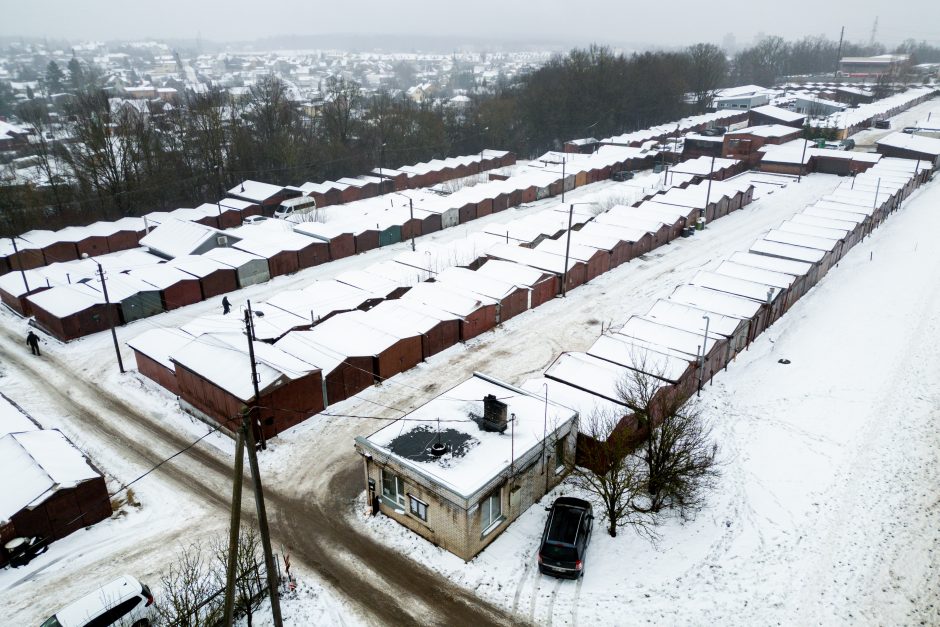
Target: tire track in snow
(520,585)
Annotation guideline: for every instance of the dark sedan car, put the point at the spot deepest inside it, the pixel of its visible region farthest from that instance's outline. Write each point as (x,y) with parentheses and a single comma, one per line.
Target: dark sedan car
(566,537)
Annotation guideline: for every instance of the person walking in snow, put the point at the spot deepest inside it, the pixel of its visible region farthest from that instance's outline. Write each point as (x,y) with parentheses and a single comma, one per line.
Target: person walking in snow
(226,306)
(32,340)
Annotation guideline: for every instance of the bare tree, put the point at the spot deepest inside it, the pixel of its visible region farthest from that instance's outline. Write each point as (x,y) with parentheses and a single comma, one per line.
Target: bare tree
(708,70)
(189,591)
(249,584)
(678,451)
(611,474)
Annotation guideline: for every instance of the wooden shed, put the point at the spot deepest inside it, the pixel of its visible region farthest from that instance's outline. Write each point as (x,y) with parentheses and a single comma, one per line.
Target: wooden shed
(87,240)
(477,314)
(177,288)
(577,270)
(638,241)
(51,247)
(249,269)
(213,378)
(127,234)
(512,299)
(595,260)
(542,286)
(71,311)
(342,376)
(437,329)
(339,239)
(136,299)
(50,488)
(152,352)
(215,278)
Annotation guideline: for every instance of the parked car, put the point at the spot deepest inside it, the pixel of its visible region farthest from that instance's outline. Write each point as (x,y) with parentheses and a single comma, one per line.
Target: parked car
(566,537)
(910,130)
(882,123)
(124,601)
(254,220)
(622,175)
(847,144)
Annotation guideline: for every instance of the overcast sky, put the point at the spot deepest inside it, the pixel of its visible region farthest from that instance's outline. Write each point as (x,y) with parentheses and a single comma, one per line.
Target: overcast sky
(673,22)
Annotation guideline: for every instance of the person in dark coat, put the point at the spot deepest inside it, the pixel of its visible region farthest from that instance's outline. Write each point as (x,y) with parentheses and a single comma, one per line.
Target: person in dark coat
(32,340)
(226,306)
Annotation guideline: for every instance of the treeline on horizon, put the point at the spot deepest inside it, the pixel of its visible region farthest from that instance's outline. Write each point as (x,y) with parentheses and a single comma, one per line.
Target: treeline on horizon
(122,163)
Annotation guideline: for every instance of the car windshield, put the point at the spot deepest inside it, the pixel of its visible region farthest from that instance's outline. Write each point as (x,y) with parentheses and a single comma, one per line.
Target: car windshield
(51,622)
(559,552)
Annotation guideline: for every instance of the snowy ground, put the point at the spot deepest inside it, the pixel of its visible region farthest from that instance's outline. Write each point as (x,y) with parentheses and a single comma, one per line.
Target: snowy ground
(828,509)
(143,541)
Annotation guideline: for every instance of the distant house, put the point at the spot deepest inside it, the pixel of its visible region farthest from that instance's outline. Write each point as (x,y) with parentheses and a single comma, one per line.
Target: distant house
(459,469)
(873,67)
(12,137)
(743,97)
(814,106)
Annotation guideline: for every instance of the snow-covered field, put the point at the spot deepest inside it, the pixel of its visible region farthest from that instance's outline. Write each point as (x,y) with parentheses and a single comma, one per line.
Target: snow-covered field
(828,509)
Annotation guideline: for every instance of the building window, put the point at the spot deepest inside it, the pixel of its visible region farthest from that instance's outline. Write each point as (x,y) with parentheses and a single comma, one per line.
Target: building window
(559,455)
(491,511)
(418,508)
(393,488)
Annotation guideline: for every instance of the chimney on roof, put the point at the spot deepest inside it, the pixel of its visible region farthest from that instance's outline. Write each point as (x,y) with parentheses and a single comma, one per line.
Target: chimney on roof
(495,414)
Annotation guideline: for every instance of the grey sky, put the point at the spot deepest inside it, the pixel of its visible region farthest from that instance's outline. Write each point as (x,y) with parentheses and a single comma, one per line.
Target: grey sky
(673,22)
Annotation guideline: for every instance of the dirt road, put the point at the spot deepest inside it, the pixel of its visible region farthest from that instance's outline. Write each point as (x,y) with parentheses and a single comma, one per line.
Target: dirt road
(385,586)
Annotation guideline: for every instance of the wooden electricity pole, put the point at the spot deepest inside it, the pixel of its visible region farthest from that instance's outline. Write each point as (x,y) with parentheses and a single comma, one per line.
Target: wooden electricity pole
(235,525)
(248,428)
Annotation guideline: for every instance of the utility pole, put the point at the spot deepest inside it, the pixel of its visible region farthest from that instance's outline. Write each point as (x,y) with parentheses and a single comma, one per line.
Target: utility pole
(708,194)
(235,525)
(563,185)
(799,176)
(839,56)
(564,276)
(411,214)
(249,432)
(16,255)
(107,301)
(701,372)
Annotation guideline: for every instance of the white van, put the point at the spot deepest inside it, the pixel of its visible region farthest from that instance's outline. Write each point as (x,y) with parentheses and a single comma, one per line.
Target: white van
(124,601)
(295,207)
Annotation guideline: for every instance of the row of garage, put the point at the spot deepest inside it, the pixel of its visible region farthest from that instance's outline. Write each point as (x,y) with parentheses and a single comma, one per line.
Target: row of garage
(368,325)
(684,340)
